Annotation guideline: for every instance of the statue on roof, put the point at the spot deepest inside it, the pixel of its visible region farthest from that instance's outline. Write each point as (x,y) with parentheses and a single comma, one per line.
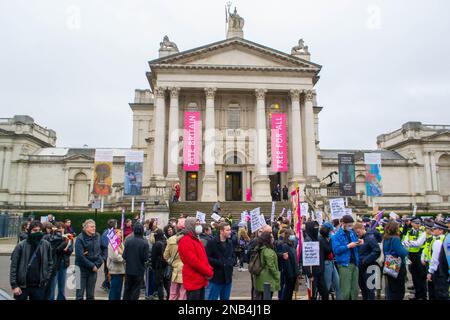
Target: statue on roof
(166,44)
(236,22)
(300,48)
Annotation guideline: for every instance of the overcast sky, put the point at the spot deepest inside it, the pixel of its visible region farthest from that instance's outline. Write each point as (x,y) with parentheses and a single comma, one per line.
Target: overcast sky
(73,65)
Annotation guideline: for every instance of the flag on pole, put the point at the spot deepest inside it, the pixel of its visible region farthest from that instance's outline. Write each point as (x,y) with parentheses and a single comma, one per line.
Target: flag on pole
(299,222)
(378,218)
(122,223)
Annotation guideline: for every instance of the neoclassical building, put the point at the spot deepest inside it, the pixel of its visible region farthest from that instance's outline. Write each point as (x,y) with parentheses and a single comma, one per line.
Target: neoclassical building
(236,86)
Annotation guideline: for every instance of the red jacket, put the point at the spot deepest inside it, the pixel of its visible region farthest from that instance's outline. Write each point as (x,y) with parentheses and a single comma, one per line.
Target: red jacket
(196,268)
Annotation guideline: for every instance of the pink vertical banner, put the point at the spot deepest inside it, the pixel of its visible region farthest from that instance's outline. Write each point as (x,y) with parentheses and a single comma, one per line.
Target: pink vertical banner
(191,149)
(279,145)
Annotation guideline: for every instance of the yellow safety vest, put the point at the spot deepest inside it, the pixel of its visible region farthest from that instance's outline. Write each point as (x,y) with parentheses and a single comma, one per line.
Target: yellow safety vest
(413,235)
(427,250)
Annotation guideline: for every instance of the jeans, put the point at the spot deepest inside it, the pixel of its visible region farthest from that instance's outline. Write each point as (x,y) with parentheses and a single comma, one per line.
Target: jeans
(221,291)
(196,294)
(349,281)
(133,286)
(116,285)
(331,278)
(88,279)
(60,280)
(33,293)
(208,290)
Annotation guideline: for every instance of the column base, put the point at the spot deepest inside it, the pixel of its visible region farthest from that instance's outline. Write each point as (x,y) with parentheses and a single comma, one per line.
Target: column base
(158,181)
(261,189)
(172,178)
(209,190)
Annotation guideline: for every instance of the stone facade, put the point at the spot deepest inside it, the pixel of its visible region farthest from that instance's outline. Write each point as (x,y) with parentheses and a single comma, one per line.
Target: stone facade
(236,85)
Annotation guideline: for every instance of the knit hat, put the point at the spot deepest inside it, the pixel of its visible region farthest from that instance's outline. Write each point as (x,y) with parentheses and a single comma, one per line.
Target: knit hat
(347,219)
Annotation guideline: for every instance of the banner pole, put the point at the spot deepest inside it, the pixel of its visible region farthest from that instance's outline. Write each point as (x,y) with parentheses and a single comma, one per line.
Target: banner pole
(102,202)
(132,204)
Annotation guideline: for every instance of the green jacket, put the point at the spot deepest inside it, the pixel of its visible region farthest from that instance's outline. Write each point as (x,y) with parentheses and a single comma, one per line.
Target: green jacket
(270,272)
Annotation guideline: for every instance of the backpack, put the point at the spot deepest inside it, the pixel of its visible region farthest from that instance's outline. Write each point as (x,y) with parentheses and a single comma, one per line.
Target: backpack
(255,265)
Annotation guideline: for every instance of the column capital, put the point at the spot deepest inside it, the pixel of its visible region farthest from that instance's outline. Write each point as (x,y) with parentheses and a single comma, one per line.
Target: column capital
(308,95)
(260,94)
(174,92)
(160,92)
(295,94)
(210,92)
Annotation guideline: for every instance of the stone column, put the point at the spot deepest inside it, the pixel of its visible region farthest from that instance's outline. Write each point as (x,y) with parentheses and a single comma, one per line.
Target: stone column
(310,140)
(261,189)
(173,152)
(7,167)
(2,165)
(209,192)
(434,177)
(428,186)
(160,128)
(296,135)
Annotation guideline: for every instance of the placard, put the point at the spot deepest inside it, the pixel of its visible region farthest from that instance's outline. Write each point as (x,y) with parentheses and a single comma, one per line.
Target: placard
(311,253)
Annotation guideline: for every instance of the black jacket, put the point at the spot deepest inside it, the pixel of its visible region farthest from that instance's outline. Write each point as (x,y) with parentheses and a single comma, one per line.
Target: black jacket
(136,254)
(221,259)
(158,261)
(289,268)
(20,259)
(370,251)
(88,252)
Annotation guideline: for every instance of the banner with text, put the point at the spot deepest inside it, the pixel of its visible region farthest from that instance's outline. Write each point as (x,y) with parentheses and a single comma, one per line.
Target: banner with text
(191,141)
(347,182)
(279,146)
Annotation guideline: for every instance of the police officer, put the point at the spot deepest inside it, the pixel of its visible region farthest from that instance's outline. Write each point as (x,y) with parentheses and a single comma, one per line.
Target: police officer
(438,270)
(426,253)
(414,242)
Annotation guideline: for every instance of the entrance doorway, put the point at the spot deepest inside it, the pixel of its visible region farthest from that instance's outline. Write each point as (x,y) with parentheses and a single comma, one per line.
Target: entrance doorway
(275,179)
(233,186)
(191,186)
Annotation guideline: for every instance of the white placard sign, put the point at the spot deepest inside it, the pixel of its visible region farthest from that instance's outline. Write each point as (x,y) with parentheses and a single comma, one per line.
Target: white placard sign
(415,210)
(289,215)
(243,217)
(201,216)
(272,215)
(255,221)
(282,212)
(319,217)
(215,217)
(348,211)
(337,207)
(44,219)
(262,220)
(304,209)
(310,253)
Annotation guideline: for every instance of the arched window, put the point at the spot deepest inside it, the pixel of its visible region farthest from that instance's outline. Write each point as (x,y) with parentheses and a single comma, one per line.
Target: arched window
(444,174)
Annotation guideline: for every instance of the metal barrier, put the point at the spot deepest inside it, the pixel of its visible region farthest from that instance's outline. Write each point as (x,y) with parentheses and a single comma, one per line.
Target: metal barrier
(10,225)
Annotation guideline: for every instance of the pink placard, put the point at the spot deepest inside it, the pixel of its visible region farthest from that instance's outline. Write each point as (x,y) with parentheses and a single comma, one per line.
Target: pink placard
(279,147)
(191,149)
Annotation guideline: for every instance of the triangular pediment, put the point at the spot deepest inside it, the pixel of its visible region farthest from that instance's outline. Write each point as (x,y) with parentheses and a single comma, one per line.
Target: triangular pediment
(78,157)
(235,52)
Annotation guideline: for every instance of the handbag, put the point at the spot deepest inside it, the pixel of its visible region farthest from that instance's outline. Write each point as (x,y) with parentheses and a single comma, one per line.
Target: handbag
(392,265)
(169,269)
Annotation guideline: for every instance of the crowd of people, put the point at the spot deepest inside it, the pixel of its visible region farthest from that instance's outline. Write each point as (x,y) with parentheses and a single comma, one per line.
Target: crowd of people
(188,260)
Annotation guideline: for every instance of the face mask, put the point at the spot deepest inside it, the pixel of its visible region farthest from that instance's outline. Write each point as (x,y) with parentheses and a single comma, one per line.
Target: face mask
(198,229)
(292,238)
(349,228)
(37,236)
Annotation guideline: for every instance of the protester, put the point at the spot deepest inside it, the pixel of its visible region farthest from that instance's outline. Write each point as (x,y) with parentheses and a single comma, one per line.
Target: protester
(51,219)
(206,235)
(88,258)
(438,271)
(159,265)
(31,265)
(23,231)
(413,242)
(196,268)
(171,255)
(62,246)
(395,289)
(136,253)
(111,224)
(168,231)
(316,273)
(128,228)
(269,262)
(285,193)
(176,192)
(289,269)
(221,257)
(253,249)
(369,252)
(243,241)
(116,267)
(68,229)
(331,275)
(344,244)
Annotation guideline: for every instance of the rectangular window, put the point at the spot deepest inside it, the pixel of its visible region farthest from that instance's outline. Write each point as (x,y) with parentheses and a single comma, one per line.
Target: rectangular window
(234,119)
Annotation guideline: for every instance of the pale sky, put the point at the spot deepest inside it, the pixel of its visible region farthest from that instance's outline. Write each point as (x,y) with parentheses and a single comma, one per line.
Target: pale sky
(73,65)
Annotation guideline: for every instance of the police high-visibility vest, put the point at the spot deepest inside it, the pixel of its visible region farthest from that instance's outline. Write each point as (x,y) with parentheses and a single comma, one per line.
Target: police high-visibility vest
(413,235)
(427,250)
(380,229)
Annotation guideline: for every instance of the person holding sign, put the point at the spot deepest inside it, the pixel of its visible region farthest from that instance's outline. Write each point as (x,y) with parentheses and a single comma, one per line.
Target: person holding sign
(345,247)
(116,266)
